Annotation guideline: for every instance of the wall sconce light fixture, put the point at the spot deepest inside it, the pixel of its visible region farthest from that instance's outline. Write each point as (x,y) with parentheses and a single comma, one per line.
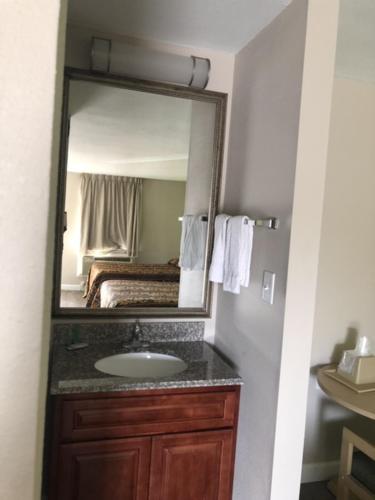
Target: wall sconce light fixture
(108,56)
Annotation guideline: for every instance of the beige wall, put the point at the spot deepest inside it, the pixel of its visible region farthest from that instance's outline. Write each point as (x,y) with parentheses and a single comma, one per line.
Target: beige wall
(28,51)
(162,205)
(72,234)
(346,281)
(262,159)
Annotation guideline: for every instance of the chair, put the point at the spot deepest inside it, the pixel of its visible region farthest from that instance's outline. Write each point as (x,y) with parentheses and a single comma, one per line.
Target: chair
(357,468)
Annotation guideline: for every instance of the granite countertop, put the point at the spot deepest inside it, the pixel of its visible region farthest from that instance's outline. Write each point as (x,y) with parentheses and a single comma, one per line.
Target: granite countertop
(74,371)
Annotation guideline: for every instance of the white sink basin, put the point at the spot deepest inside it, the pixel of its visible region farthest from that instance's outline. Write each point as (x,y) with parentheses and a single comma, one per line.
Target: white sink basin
(141,364)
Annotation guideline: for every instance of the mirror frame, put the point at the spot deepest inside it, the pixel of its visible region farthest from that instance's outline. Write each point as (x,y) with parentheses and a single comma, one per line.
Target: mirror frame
(220,101)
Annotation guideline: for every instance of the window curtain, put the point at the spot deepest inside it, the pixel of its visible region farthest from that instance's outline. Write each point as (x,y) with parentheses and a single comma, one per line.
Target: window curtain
(110,218)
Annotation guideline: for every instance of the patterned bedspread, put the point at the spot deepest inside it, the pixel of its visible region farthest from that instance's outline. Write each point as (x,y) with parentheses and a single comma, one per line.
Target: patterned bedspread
(139,293)
(104,270)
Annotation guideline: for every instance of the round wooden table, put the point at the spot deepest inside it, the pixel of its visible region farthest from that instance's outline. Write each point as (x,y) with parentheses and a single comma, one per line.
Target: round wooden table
(361,403)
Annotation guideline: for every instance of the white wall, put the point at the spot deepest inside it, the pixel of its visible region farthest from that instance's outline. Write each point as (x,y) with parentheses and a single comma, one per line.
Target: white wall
(221,80)
(319,63)
(198,190)
(271,345)
(27,157)
(346,280)
(262,158)
(29,49)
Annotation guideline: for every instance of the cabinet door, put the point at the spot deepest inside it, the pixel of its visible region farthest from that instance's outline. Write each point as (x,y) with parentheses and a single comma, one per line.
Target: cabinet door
(194,466)
(104,470)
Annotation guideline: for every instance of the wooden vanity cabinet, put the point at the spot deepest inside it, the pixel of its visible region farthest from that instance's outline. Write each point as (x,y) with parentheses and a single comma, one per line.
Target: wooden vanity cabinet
(115,469)
(176,444)
(192,466)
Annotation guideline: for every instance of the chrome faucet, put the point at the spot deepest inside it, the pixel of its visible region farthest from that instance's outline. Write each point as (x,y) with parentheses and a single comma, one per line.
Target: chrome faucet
(136,332)
(135,341)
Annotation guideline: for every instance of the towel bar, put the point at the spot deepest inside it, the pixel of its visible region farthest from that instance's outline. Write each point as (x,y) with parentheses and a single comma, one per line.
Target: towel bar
(270,223)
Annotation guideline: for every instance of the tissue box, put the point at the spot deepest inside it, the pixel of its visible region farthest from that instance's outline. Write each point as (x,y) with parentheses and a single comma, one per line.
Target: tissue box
(363,372)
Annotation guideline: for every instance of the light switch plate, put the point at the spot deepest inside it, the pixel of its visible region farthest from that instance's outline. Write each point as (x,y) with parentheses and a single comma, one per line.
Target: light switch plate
(268,287)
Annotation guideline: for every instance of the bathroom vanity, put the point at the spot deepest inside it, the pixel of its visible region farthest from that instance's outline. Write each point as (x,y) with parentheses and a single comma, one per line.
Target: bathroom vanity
(158,445)
(166,438)
(156,419)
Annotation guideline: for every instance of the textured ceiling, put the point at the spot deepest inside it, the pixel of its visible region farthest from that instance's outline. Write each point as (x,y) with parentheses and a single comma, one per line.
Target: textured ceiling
(116,131)
(356,40)
(225,25)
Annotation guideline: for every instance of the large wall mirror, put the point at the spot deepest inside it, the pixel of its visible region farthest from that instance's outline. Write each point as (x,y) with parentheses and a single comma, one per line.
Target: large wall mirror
(138,186)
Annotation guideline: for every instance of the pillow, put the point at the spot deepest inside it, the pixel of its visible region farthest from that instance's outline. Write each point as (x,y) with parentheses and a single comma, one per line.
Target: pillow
(174,261)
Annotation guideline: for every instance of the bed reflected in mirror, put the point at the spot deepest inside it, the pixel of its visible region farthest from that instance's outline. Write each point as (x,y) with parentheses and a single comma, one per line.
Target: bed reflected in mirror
(138,193)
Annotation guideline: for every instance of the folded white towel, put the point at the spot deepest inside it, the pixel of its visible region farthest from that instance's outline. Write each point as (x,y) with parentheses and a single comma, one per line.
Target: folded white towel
(193,242)
(216,273)
(237,258)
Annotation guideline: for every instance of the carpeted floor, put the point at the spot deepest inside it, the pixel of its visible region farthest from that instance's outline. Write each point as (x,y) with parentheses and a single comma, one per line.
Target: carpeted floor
(315,491)
(72,299)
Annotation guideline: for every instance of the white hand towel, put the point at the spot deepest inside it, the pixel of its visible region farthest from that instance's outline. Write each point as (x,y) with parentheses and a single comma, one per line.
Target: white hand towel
(237,259)
(216,273)
(193,242)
